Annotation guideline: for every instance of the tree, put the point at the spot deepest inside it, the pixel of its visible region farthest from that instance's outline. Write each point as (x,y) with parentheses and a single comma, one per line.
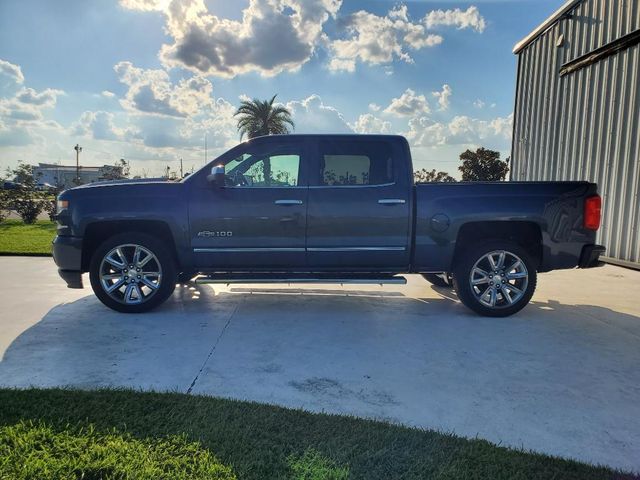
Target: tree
(427,176)
(257,118)
(25,199)
(119,171)
(483,165)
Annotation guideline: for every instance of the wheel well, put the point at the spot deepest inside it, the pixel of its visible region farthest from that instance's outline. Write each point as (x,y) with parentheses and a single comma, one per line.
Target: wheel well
(98,232)
(526,234)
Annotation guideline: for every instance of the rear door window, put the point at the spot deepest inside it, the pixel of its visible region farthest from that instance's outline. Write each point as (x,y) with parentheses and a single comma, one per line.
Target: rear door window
(355,163)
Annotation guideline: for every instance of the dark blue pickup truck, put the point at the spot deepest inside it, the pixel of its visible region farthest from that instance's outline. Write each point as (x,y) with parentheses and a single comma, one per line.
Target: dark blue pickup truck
(322,208)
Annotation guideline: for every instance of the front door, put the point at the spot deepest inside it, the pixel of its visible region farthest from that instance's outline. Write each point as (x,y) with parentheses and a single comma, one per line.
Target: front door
(359,210)
(258,219)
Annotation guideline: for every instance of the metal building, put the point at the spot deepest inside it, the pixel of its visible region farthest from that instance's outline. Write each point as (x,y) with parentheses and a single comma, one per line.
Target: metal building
(577,112)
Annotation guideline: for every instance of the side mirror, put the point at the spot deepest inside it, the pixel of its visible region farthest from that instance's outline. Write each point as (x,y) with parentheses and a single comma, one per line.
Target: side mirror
(217,176)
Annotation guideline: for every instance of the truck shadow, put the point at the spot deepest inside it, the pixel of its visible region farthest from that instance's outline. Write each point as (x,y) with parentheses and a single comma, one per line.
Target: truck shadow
(86,345)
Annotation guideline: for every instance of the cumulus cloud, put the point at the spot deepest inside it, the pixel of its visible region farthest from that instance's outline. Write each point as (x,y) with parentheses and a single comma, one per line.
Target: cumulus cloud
(14,72)
(469,18)
(218,123)
(100,126)
(409,104)
(461,130)
(375,40)
(311,115)
(45,98)
(443,96)
(273,35)
(151,91)
(369,123)
(479,103)
(374,107)
(27,105)
(21,113)
(108,94)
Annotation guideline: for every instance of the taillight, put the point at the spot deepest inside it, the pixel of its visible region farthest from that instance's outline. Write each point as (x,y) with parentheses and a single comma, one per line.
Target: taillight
(592,212)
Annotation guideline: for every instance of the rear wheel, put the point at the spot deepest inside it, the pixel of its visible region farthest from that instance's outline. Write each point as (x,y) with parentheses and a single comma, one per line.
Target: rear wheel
(496,278)
(132,272)
(444,279)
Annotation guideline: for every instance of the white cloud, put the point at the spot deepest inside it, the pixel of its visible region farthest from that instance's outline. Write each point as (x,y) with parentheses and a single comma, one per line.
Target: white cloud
(461,130)
(443,96)
(469,18)
(151,91)
(273,35)
(311,115)
(409,104)
(146,5)
(21,114)
(100,126)
(369,123)
(375,40)
(14,72)
(108,94)
(374,107)
(479,103)
(45,98)
(27,105)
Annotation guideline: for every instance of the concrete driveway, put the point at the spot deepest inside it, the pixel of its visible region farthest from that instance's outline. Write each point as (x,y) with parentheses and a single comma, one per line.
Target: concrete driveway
(562,377)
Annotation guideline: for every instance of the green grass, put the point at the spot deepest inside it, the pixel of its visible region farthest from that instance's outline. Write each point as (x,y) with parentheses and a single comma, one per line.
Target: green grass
(37,451)
(16,238)
(255,441)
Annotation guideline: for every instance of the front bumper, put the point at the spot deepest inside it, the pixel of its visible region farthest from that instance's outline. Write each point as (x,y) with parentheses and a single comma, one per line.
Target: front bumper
(67,253)
(590,256)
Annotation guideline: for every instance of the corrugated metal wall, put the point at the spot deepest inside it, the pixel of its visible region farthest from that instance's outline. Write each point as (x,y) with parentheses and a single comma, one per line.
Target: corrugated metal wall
(585,125)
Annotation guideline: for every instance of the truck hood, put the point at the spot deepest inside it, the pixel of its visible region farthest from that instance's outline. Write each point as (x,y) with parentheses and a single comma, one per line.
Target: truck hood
(151,186)
(126,181)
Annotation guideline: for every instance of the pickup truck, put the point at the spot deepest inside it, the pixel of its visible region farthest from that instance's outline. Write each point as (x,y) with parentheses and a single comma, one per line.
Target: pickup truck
(324,209)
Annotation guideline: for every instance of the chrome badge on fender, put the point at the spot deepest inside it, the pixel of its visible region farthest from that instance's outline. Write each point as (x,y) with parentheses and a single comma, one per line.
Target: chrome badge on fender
(208,233)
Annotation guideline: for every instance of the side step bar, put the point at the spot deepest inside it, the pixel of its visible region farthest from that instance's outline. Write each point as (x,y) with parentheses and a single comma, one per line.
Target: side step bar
(300,278)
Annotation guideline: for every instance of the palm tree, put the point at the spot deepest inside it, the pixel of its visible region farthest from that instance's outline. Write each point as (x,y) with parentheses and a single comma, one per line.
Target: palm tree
(258,118)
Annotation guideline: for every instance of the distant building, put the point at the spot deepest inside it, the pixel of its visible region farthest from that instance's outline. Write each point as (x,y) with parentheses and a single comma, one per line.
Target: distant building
(64,176)
(577,114)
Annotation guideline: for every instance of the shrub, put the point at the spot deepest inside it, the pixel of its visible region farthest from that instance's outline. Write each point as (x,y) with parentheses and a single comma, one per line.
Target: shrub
(27,203)
(49,206)
(37,451)
(4,205)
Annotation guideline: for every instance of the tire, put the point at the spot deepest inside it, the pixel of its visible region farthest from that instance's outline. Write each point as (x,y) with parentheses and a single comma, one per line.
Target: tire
(485,297)
(442,280)
(129,293)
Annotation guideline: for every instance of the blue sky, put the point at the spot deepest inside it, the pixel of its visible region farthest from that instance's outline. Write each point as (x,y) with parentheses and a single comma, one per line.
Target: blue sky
(146,79)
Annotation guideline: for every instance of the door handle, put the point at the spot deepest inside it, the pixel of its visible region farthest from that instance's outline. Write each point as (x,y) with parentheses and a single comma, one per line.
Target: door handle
(392,201)
(288,202)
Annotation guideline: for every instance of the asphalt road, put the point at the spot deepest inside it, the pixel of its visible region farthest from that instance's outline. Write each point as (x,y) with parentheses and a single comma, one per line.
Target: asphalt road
(561,377)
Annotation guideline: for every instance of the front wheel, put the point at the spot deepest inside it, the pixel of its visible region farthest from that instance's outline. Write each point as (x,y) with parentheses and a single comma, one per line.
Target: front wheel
(132,272)
(495,279)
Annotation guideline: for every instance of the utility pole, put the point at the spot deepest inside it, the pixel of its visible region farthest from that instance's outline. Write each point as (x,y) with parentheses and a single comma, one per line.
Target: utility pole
(181,174)
(78,149)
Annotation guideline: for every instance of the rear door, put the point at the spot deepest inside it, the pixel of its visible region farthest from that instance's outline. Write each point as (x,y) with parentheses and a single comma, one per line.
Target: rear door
(258,220)
(359,205)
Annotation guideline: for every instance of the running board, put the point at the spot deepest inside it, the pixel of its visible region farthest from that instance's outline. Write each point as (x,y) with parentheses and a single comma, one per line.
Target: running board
(231,278)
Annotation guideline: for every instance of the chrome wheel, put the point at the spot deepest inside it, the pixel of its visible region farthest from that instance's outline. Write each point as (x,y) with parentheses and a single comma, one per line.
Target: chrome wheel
(499,279)
(130,274)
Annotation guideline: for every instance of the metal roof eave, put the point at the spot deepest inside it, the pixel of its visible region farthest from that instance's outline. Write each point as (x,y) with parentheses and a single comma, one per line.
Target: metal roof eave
(544,26)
